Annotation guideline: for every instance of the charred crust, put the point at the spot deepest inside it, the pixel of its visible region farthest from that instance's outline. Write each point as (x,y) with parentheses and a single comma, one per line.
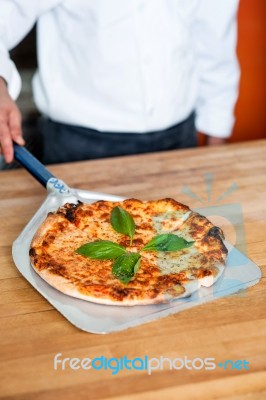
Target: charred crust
(70,215)
(56,269)
(120,292)
(216,232)
(71,206)
(224,250)
(32,252)
(68,210)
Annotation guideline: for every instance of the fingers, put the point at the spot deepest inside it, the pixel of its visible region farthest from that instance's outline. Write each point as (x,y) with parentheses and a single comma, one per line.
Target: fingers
(15,126)
(10,123)
(6,142)
(10,130)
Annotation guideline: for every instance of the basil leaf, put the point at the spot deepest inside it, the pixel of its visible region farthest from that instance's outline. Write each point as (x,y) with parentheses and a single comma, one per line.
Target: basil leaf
(122,222)
(167,242)
(126,266)
(101,250)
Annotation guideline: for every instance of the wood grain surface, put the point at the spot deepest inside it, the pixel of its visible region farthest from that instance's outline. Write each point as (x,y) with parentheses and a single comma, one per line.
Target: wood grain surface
(32,332)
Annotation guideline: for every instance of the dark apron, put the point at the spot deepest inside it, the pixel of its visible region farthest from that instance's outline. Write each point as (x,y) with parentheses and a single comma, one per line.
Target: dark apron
(66,143)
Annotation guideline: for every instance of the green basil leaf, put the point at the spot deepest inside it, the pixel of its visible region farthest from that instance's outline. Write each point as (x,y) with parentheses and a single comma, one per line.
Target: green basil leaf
(122,222)
(101,250)
(167,242)
(126,266)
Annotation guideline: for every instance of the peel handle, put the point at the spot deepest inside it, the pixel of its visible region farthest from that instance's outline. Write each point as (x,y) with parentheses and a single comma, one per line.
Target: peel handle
(31,164)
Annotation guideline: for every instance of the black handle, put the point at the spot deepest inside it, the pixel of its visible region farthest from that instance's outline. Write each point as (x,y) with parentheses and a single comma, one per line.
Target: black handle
(34,166)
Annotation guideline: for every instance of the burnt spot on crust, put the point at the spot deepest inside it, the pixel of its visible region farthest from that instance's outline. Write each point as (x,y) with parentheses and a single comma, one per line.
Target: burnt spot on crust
(32,252)
(120,293)
(57,269)
(70,215)
(216,232)
(69,211)
(50,238)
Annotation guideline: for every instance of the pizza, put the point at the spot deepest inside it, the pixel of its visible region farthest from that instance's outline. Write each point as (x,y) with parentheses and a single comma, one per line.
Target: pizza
(171,253)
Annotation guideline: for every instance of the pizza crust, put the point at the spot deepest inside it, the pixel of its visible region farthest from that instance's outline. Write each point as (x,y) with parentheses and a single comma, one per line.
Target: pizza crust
(66,287)
(69,289)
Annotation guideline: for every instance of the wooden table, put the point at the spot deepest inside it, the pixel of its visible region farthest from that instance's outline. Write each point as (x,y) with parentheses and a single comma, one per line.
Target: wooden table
(32,332)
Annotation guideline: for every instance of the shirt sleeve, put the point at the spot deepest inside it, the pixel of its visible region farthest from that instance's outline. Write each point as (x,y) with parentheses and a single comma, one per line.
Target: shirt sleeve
(16,20)
(215,37)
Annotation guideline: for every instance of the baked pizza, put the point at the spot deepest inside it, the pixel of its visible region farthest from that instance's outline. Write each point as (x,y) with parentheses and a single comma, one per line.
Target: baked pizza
(128,253)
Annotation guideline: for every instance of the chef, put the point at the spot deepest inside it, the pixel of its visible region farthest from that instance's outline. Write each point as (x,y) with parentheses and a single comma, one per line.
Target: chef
(119,77)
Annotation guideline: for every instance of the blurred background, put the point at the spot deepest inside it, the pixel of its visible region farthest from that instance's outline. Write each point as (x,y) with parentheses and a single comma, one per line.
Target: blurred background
(250,109)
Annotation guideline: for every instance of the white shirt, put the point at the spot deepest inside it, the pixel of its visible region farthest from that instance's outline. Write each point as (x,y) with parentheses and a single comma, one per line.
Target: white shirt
(128,65)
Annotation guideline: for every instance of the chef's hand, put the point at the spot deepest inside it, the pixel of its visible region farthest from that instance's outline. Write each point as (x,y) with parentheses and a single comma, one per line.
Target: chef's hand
(10,123)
